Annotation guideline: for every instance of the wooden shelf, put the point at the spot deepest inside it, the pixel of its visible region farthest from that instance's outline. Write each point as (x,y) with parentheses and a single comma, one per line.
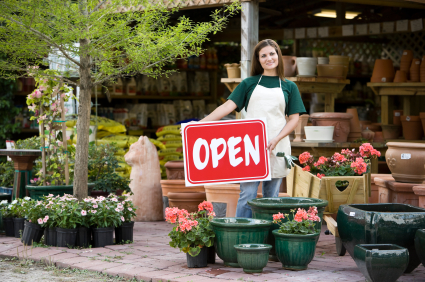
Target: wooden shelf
(29,130)
(144,97)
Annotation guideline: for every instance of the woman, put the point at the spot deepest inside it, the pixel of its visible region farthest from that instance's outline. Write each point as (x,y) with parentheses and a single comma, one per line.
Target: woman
(266,94)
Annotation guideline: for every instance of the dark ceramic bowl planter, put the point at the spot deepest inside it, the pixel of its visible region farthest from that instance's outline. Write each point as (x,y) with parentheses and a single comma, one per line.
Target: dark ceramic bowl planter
(381,262)
(9,226)
(124,233)
(18,225)
(381,224)
(83,237)
(420,244)
(201,260)
(231,231)
(265,208)
(211,254)
(295,251)
(32,233)
(50,236)
(66,237)
(103,236)
(253,257)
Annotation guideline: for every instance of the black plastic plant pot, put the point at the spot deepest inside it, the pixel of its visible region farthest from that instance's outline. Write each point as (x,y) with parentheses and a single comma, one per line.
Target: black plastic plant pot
(124,233)
(32,233)
(9,226)
(103,236)
(211,255)
(83,237)
(50,236)
(18,225)
(66,237)
(201,260)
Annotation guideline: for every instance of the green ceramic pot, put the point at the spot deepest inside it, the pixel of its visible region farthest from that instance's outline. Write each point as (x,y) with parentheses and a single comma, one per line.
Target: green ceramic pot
(253,257)
(381,224)
(265,208)
(37,192)
(420,244)
(295,251)
(381,262)
(231,231)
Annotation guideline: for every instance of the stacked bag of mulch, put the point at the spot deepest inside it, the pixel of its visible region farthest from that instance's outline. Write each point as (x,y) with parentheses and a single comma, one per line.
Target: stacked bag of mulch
(170,137)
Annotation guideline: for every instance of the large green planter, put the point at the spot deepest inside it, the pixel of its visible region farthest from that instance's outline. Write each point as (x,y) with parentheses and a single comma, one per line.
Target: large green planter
(37,192)
(381,262)
(381,224)
(231,231)
(253,257)
(420,244)
(295,251)
(265,208)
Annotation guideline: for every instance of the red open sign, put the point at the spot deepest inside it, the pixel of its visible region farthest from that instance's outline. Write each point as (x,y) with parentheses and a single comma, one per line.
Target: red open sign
(225,152)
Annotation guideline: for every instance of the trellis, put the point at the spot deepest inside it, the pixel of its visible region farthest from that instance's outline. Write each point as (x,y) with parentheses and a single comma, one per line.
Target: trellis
(414,41)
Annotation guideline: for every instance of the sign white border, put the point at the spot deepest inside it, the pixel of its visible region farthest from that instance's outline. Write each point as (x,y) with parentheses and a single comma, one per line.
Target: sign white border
(226,181)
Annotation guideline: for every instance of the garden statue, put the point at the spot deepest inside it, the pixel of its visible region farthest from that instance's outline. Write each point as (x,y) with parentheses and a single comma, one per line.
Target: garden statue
(145,180)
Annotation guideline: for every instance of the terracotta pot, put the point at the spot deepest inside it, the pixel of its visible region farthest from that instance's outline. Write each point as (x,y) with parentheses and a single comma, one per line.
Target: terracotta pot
(396,117)
(289,66)
(402,193)
(233,70)
(224,198)
(422,70)
(422,117)
(354,122)
(383,71)
(412,127)
(414,70)
(306,66)
(174,169)
(341,122)
(368,134)
(391,131)
(400,76)
(322,60)
(364,124)
(299,129)
(379,137)
(406,161)
(340,60)
(178,186)
(335,71)
(406,61)
(420,192)
(188,201)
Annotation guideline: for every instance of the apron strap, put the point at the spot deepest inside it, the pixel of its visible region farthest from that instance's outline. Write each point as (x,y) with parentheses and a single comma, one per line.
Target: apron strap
(259,79)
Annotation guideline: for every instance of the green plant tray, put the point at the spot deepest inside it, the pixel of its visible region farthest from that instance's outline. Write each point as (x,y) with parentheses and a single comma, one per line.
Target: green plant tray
(37,192)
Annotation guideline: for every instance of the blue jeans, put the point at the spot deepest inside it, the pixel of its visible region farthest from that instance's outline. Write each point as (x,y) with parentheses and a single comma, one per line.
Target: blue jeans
(249,192)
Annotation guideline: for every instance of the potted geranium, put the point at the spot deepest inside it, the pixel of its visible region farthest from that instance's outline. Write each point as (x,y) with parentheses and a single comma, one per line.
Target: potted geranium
(37,217)
(296,239)
(6,212)
(192,232)
(102,164)
(124,232)
(105,215)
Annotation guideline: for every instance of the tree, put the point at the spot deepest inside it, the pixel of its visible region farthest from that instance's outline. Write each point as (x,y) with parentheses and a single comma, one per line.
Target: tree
(102,42)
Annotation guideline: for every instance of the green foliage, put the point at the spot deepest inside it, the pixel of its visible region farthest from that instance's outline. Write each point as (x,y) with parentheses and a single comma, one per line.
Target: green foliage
(8,110)
(102,164)
(17,207)
(5,209)
(105,212)
(35,211)
(7,172)
(129,210)
(303,222)
(32,143)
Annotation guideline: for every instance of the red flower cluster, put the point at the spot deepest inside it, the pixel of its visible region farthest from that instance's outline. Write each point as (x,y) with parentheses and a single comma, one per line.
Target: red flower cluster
(278,216)
(305,157)
(320,175)
(186,224)
(206,206)
(359,166)
(338,157)
(302,214)
(367,151)
(306,168)
(322,160)
(172,215)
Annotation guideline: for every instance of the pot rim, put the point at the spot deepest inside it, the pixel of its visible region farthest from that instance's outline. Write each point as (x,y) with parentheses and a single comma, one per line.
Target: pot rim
(325,115)
(394,247)
(406,145)
(276,233)
(319,203)
(250,222)
(252,247)
(353,206)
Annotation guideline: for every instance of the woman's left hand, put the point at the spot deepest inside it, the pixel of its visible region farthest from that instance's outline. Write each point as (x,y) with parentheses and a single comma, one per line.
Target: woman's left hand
(272,144)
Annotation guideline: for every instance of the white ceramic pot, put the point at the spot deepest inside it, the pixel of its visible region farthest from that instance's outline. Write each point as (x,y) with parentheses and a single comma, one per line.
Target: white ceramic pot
(306,66)
(92,136)
(319,132)
(323,61)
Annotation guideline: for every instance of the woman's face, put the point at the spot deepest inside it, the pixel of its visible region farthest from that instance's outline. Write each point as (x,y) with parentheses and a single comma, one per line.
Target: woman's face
(268,58)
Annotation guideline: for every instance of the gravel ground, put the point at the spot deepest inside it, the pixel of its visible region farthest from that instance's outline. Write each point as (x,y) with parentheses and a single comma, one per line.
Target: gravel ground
(27,270)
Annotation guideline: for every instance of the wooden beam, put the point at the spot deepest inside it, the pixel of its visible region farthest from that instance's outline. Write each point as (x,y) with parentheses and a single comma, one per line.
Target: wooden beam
(249,34)
(388,3)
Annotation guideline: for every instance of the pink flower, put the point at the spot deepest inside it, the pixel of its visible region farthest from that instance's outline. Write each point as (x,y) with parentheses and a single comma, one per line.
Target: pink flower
(117,210)
(95,206)
(321,161)
(278,216)
(301,215)
(130,209)
(205,206)
(40,221)
(93,211)
(46,217)
(320,175)
(122,218)
(83,213)
(119,206)
(306,168)
(114,200)
(359,166)
(45,220)
(305,157)
(339,158)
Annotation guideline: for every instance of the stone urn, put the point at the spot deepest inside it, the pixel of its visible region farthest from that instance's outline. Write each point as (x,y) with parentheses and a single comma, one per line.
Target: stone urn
(174,169)
(341,122)
(383,71)
(406,161)
(306,66)
(299,129)
(289,66)
(412,127)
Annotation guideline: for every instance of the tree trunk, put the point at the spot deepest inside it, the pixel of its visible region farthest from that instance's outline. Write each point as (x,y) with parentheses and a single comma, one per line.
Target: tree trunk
(83,126)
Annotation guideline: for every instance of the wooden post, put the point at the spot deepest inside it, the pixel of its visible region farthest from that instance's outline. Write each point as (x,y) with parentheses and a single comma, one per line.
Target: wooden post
(384,110)
(249,34)
(43,144)
(64,140)
(406,105)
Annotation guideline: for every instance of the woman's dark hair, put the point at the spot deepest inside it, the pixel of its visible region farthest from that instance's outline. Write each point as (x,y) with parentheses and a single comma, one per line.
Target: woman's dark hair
(256,67)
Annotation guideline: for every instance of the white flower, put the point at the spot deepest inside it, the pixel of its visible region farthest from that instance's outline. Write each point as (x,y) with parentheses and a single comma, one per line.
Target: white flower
(40,221)
(27,198)
(130,209)
(95,206)
(119,206)
(4,202)
(14,202)
(9,207)
(114,199)
(117,210)
(83,213)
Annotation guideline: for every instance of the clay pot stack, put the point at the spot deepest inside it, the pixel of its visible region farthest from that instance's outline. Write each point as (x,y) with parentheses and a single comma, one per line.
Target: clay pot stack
(414,70)
(340,121)
(400,76)
(406,61)
(340,60)
(355,129)
(412,127)
(289,66)
(383,71)
(233,70)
